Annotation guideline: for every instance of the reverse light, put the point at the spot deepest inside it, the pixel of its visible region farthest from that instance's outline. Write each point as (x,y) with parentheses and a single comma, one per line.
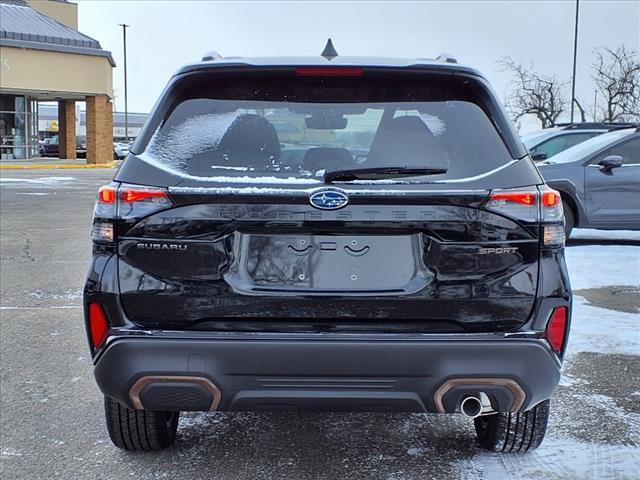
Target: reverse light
(557,328)
(98,325)
(553,235)
(329,71)
(102,231)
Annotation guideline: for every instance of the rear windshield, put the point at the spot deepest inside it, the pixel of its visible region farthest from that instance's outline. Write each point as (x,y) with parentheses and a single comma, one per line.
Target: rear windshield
(273,129)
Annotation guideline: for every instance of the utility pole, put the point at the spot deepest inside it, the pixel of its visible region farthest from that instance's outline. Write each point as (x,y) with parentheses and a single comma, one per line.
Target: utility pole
(126,106)
(595,105)
(575,58)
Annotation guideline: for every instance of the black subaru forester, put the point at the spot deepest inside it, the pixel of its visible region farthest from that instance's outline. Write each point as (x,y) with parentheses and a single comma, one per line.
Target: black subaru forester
(328,234)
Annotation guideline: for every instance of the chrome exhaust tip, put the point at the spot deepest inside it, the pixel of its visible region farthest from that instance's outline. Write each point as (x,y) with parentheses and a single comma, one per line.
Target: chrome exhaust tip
(471,406)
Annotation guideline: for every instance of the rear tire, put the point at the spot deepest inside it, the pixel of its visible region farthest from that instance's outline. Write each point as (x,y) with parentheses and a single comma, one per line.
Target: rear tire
(139,430)
(513,432)
(569,219)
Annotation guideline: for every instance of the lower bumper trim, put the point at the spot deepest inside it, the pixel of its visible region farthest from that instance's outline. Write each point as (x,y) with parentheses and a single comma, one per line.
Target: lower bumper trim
(518,393)
(430,375)
(176,383)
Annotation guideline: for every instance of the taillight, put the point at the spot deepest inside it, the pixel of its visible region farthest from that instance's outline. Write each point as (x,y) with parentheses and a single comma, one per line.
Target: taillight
(553,234)
(138,202)
(98,325)
(132,196)
(124,202)
(107,194)
(550,198)
(329,71)
(521,198)
(557,328)
(520,204)
(531,205)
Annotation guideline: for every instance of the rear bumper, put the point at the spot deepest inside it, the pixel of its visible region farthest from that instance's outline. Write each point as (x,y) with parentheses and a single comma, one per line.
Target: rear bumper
(412,375)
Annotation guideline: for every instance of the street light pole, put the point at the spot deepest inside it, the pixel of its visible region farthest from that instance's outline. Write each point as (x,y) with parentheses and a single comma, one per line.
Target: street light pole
(575,57)
(126,106)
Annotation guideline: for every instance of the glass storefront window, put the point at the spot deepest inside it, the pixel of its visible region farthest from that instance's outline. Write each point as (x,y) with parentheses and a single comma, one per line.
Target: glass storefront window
(18,127)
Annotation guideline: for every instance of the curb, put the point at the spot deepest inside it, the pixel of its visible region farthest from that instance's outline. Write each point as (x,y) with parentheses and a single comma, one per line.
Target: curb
(60,166)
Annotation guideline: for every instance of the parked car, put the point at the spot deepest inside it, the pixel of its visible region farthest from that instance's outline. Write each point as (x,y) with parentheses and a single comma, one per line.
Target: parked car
(546,143)
(599,181)
(227,276)
(121,150)
(50,147)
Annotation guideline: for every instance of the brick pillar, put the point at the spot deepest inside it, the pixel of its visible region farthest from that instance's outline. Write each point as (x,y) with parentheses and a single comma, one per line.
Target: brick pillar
(99,130)
(67,129)
(110,126)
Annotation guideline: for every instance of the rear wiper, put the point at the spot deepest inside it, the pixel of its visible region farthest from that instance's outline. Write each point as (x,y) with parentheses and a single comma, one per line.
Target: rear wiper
(375,173)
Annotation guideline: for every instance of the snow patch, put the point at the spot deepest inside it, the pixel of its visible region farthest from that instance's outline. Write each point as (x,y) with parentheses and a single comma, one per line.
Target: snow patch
(415,451)
(557,458)
(39,181)
(66,295)
(195,135)
(608,405)
(592,266)
(434,124)
(10,452)
(593,234)
(568,381)
(595,329)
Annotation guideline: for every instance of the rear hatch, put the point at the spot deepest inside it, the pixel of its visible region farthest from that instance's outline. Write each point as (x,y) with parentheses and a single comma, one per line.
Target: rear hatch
(327,200)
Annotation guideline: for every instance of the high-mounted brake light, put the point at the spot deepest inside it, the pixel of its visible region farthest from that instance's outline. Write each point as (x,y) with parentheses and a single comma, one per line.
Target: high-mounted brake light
(329,71)
(557,328)
(98,325)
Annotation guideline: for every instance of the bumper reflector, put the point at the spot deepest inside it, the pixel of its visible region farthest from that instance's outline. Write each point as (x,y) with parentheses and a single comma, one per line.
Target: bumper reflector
(557,328)
(98,325)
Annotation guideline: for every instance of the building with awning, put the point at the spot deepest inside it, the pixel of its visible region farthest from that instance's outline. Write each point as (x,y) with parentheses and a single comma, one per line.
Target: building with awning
(43,57)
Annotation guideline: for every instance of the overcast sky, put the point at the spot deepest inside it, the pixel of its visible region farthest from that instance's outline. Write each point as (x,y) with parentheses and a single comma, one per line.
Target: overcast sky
(167,34)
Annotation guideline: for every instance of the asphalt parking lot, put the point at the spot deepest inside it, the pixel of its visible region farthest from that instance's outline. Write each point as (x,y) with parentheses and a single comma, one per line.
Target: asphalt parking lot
(51,423)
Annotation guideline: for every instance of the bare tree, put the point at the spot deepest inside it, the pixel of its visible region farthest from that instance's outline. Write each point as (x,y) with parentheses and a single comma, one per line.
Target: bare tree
(616,74)
(534,94)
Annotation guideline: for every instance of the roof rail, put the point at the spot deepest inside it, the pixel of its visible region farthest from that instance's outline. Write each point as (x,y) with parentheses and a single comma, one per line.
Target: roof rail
(212,55)
(447,58)
(597,125)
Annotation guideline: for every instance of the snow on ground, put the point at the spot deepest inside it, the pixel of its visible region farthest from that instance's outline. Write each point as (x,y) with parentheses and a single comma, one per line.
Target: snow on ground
(593,266)
(558,458)
(37,181)
(596,329)
(599,330)
(593,234)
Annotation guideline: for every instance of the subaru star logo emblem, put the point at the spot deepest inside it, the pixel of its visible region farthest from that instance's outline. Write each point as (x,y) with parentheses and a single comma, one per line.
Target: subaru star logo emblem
(329,199)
